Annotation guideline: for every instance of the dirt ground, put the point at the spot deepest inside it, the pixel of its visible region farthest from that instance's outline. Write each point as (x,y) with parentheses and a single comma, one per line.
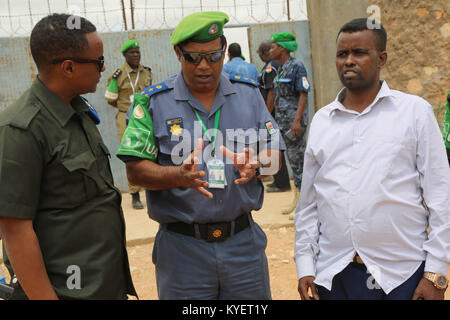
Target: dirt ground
(283,276)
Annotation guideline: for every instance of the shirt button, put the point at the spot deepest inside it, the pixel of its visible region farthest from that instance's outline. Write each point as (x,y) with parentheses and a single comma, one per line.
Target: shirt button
(355,166)
(353,193)
(358,140)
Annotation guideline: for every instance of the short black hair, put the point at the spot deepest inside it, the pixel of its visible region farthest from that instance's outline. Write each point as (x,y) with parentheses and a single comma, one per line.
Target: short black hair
(54,37)
(362,24)
(234,50)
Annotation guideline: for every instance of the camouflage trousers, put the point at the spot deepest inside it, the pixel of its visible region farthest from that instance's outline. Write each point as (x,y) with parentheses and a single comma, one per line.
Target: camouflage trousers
(295,149)
(121,127)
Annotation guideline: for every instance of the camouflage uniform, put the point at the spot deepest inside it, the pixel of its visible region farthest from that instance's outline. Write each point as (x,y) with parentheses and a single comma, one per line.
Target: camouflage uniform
(291,80)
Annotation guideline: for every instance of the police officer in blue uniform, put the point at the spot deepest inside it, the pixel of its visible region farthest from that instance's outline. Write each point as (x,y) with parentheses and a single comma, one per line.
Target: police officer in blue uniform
(291,88)
(199,154)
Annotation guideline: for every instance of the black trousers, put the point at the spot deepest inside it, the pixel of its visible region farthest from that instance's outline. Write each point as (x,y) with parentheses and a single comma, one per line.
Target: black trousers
(282,176)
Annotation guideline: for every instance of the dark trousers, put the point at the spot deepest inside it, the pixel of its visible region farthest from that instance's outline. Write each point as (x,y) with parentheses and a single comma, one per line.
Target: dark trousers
(282,176)
(353,283)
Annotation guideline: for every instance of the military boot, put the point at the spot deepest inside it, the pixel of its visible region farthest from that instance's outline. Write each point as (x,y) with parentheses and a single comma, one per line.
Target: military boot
(136,201)
(291,207)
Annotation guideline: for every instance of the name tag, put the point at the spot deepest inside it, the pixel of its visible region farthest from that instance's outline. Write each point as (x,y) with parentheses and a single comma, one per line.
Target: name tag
(216,174)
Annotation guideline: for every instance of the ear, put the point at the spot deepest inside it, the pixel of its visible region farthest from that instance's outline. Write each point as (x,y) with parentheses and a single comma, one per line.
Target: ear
(177,52)
(67,68)
(382,58)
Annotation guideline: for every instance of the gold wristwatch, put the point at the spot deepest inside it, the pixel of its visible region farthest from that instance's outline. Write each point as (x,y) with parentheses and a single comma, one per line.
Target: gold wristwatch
(439,280)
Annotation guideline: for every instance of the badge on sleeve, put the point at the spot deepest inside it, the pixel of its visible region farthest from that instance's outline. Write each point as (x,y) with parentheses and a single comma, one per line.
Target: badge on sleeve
(270,129)
(174,126)
(305,83)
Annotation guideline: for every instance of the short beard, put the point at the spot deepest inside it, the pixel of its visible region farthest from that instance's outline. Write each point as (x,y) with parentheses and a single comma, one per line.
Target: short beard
(359,86)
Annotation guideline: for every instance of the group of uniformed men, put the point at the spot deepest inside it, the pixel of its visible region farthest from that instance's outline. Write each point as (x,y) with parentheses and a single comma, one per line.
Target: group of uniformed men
(186,143)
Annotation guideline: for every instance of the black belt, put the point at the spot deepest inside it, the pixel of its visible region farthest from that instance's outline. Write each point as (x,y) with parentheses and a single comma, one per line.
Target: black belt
(212,232)
(123,111)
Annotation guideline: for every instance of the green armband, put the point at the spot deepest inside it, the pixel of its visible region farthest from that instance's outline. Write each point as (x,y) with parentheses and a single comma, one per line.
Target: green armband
(139,139)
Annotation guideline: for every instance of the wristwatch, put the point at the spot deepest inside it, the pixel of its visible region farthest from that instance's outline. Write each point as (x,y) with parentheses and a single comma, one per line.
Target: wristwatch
(439,280)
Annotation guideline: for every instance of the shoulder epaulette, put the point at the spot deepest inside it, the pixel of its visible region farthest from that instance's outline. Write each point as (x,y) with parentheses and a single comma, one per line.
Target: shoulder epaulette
(148,68)
(156,88)
(116,74)
(23,118)
(244,80)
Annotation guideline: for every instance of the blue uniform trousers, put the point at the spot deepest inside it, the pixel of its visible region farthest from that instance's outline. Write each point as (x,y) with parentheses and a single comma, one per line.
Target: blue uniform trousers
(194,269)
(353,283)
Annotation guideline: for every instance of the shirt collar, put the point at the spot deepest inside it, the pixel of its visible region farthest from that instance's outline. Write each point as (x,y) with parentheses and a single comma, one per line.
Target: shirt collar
(384,91)
(129,70)
(182,92)
(52,102)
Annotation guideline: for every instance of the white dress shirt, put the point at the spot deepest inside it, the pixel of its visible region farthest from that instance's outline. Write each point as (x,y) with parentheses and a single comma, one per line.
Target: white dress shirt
(365,178)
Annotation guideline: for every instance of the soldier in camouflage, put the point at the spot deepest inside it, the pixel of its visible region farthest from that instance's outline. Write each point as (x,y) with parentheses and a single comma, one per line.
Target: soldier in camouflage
(291,89)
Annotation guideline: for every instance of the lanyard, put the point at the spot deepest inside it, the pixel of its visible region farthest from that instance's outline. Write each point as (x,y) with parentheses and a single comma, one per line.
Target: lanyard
(277,79)
(133,86)
(205,129)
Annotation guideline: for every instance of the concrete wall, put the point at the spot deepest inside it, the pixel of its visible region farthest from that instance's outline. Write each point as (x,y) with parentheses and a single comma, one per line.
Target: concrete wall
(418,47)
(326,17)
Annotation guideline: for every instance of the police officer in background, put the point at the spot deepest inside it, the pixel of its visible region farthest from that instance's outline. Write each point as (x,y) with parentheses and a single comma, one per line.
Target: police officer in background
(61,220)
(122,84)
(236,66)
(202,195)
(265,81)
(291,89)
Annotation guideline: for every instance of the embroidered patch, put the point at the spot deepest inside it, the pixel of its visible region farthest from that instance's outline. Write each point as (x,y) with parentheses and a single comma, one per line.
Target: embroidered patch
(270,129)
(175,126)
(305,83)
(138,112)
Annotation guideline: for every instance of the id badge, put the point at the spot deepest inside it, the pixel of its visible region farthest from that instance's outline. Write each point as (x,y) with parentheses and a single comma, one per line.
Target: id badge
(132,98)
(216,174)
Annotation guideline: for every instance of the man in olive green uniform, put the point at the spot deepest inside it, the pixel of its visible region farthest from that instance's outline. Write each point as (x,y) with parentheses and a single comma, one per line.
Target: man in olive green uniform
(130,78)
(61,221)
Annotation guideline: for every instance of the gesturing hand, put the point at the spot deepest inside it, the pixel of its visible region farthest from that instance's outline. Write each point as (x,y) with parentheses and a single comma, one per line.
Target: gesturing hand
(189,174)
(246,163)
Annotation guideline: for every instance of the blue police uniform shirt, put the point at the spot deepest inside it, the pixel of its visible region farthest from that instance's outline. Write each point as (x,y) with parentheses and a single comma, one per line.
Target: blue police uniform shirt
(242,107)
(238,67)
(291,80)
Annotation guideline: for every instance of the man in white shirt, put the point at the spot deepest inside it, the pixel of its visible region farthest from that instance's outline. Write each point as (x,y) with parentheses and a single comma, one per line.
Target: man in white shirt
(375,178)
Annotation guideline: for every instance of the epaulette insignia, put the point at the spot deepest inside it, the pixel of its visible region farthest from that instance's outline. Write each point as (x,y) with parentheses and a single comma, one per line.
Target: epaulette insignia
(148,68)
(156,88)
(116,74)
(244,80)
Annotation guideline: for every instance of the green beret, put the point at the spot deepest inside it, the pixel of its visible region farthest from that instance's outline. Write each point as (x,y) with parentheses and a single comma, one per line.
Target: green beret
(286,40)
(200,27)
(130,44)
